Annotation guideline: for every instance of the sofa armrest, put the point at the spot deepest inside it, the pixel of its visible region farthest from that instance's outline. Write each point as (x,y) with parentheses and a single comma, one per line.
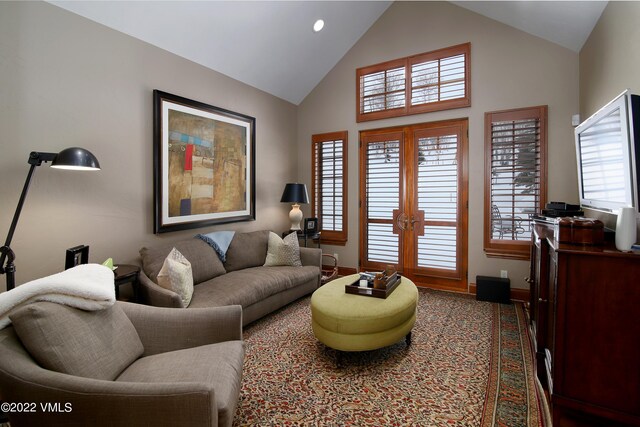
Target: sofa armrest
(108,403)
(168,329)
(153,294)
(311,256)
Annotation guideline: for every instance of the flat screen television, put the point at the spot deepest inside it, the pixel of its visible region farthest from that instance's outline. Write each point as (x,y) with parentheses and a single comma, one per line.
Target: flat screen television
(608,153)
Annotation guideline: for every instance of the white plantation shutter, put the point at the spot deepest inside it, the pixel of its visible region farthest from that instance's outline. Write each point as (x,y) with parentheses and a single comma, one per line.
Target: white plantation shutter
(516,159)
(430,81)
(438,80)
(383,90)
(329,185)
(382,189)
(438,198)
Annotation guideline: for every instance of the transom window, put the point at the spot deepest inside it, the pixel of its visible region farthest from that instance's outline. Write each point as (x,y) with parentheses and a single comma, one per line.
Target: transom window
(430,81)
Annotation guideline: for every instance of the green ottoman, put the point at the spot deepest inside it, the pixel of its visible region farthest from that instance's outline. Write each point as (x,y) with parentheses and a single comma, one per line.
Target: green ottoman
(350,322)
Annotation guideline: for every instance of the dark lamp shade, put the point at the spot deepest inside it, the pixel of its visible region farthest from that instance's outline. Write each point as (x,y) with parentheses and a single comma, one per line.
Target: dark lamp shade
(75,158)
(295,193)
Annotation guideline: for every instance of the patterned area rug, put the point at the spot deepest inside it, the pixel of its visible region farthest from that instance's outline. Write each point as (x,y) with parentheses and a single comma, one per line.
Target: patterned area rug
(469,364)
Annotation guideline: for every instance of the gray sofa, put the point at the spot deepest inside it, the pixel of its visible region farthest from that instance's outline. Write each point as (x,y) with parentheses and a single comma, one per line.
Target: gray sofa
(241,279)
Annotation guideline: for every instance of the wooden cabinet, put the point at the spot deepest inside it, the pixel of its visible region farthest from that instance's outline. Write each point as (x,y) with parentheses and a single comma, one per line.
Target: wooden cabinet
(585,324)
(540,299)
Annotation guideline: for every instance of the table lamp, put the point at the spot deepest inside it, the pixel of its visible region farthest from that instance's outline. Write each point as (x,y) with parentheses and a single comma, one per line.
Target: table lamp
(73,158)
(295,193)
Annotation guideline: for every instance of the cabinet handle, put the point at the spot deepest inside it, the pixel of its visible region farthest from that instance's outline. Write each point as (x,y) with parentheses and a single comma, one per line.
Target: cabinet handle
(543,300)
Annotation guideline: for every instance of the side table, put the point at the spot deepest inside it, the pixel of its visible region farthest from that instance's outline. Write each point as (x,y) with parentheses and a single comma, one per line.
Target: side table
(127,273)
(312,237)
(304,237)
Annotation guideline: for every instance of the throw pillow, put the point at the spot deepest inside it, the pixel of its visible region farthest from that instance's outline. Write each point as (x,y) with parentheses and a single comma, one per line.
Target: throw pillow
(92,344)
(283,251)
(247,250)
(205,263)
(108,263)
(176,275)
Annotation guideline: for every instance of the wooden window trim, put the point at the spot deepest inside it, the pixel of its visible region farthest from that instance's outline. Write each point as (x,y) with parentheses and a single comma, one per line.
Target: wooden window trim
(338,238)
(462,49)
(377,115)
(407,62)
(512,249)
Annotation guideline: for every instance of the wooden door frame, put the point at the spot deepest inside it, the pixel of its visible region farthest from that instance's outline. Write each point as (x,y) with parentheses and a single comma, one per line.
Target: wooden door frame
(463,198)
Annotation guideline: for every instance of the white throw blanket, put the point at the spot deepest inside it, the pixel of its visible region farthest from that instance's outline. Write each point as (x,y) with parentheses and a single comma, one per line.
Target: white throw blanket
(86,286)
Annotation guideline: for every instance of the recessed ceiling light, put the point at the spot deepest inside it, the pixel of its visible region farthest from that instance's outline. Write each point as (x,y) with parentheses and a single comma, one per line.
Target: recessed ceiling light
(319,25)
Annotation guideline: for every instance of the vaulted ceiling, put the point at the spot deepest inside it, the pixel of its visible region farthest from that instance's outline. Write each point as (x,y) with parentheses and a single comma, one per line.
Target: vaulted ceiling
(270,45)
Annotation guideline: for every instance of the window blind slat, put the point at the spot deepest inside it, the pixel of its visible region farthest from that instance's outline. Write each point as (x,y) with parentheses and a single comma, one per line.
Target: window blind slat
(515,177)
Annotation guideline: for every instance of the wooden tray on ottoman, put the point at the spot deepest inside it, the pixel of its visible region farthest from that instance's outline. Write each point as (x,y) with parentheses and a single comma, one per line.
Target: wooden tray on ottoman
(355,289)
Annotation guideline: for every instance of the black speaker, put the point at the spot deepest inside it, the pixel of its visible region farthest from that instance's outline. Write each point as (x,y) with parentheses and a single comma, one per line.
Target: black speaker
(493,289)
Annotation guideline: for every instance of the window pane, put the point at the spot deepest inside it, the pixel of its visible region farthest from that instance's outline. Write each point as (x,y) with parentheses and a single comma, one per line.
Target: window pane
(438,248)
(383,179)
(438,80)
(515,178)
(382,244)
(383,90)
(329,181)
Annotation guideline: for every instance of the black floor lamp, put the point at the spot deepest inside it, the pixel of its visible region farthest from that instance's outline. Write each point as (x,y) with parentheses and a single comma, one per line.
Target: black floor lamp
(73,158)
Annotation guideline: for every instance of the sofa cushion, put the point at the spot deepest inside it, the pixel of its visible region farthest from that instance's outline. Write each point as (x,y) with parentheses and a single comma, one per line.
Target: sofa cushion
(176,275)
(91,344)
(251,285)
(283,251)
(205,263)
(219,365)
(247,250)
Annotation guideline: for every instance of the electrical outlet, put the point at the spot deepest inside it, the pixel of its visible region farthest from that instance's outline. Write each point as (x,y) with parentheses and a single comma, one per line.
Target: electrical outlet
(504,274)
(336,256)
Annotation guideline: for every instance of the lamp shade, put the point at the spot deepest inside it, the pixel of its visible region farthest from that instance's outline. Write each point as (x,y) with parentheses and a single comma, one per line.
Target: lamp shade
(295,193)
(75,158)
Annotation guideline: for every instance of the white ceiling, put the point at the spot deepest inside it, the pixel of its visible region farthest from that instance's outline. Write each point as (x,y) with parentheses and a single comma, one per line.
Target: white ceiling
(270,45)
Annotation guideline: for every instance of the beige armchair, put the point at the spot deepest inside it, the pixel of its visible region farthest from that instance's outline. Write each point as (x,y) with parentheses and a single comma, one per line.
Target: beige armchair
(130,365)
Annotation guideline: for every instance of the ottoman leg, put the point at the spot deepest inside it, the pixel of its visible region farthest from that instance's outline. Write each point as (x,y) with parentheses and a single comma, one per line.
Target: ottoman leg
(408,338)
(339,359)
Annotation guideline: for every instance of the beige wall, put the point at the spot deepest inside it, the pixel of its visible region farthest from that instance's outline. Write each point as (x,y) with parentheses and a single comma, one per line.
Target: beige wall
(510,69)
(610,63)
(610,59)
(67,81)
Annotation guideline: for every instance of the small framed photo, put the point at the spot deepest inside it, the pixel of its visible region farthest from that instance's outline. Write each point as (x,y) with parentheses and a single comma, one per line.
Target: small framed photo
(311,225)
(76,256)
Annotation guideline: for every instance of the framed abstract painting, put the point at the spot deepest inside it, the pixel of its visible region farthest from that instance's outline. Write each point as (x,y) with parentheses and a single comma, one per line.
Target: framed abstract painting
(204,164)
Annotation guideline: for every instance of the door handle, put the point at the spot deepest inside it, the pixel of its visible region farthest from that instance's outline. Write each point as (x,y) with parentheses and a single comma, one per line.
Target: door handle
(413,221)
(419,219)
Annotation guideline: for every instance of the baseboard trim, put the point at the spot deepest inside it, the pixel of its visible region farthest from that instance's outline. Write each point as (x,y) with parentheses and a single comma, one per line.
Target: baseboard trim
(516,294)
(346,271)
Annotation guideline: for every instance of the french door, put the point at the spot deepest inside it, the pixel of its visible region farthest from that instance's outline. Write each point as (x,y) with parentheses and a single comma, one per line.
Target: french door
(413,202)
